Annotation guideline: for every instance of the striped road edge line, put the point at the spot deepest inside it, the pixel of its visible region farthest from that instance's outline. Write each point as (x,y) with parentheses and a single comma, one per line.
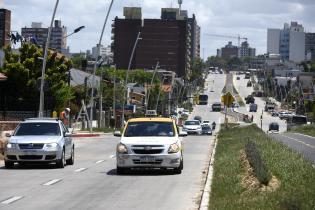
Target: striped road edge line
(52,182)
(11,200)
(299,141)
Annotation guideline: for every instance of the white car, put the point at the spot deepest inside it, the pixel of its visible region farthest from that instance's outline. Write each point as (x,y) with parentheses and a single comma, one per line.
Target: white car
(150,142)
(192,126)
(42,140)
(205,122)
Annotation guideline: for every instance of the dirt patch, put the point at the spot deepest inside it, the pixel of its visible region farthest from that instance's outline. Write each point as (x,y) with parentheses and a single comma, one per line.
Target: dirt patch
(250,182)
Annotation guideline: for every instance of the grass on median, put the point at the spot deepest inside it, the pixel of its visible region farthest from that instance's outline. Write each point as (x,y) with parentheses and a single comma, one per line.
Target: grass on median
(296,176)
(305,129)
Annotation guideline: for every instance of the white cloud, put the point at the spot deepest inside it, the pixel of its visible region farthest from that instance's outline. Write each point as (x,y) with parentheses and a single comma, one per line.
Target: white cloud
(249,18)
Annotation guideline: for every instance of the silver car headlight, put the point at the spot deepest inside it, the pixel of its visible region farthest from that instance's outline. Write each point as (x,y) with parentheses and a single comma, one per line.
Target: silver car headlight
(121,148)
(174,148)
(11,146)
(51,146)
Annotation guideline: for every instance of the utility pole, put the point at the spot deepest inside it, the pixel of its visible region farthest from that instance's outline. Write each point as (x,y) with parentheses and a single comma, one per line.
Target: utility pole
(114,99)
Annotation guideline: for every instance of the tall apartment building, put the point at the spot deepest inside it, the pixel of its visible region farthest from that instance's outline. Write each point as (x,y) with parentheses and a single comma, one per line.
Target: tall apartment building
(195,38)
(310,46)
(58,38)
(246,51)
(167,40)
(5,27)
(289,42)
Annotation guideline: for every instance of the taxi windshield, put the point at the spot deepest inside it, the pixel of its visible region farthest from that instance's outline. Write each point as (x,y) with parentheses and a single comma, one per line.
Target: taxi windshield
(135,129)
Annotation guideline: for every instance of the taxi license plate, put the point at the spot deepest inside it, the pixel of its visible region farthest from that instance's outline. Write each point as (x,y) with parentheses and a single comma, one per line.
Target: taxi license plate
(147,159)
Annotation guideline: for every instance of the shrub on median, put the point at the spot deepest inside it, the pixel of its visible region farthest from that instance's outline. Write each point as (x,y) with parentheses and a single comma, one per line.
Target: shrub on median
(260,169)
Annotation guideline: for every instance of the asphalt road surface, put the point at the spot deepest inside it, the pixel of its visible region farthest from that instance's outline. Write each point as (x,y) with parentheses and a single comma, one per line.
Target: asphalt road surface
(92,182)
(299,142)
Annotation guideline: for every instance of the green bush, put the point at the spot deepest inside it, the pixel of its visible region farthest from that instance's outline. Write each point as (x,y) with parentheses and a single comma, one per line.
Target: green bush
(256,162)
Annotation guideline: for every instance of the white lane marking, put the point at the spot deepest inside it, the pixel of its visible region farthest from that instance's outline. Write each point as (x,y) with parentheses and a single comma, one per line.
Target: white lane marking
(80,169)
(54,181)
(299,141)
(301,134)
(99,161)
(112,156)
(11,200)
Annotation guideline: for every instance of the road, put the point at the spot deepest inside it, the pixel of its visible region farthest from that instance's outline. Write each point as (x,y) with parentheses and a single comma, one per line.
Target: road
(244,91)
(305,145)
(92,182)
(299,142)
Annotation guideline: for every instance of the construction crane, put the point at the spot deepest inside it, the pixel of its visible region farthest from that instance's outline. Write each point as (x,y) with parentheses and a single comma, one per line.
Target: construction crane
(238,37)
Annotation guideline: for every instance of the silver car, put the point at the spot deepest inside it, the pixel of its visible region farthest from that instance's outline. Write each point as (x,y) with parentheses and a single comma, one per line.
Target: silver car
(43,140)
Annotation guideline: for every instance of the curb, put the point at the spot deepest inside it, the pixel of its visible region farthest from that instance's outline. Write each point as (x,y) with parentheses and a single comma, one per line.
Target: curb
(205,198)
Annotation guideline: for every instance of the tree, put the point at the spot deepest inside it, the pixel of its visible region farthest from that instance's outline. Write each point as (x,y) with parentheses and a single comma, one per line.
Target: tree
(23,69)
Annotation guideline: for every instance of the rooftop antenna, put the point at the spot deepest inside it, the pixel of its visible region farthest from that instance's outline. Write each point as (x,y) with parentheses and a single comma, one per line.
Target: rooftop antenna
(180,2)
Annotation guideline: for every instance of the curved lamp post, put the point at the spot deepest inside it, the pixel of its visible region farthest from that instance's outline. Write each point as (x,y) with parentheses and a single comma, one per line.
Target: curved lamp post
(75,31)
(95,65)
(41,97)
(126,79)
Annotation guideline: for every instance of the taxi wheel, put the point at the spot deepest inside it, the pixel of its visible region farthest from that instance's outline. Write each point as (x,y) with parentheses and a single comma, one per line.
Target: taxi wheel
(180,168)
(8,164)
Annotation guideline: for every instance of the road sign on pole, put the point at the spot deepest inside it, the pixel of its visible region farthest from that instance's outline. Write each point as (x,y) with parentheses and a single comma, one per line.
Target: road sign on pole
(227,99)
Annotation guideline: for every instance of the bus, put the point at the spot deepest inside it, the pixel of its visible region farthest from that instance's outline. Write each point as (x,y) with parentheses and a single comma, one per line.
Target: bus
(203,100)
(296,120)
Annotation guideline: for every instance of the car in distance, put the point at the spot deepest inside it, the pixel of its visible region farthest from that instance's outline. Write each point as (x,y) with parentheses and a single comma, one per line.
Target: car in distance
(273,126)
(205,122)
(253,108)
(150,142)
(206,129)
(40,140)
(249,84)
(250,99)
(192,127)
(216,107)
(238,78)
(198,118)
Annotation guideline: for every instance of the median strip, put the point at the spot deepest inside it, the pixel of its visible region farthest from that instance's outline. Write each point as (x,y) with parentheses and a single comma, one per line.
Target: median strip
(52,182)
(236,186)
(11,200)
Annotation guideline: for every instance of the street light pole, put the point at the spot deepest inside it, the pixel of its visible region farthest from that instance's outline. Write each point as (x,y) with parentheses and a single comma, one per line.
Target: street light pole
(75,31)
(126,80)
(148,100)
(41,97)
(95,65)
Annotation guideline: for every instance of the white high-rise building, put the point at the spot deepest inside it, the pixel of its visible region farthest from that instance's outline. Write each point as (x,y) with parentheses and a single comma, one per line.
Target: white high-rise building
(289,42)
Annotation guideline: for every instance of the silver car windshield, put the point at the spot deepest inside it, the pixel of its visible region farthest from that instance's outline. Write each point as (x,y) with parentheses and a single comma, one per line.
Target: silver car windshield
(135,129)
(38,129)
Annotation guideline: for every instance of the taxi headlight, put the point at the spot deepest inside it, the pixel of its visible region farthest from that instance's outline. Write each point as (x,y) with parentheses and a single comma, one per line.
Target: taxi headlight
(11,145)
(174,148)
(121,148)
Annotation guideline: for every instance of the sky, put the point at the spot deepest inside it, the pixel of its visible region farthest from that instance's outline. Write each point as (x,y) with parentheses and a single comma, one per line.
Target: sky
(247,18)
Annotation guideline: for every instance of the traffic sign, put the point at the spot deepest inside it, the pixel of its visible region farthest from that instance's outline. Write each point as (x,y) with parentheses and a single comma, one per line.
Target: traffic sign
(227,99)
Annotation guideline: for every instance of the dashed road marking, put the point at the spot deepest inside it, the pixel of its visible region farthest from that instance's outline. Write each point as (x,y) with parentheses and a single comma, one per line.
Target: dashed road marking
(99,161)
(51,182)
(112,156)
(80,169)
(299,141)
(11,200)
